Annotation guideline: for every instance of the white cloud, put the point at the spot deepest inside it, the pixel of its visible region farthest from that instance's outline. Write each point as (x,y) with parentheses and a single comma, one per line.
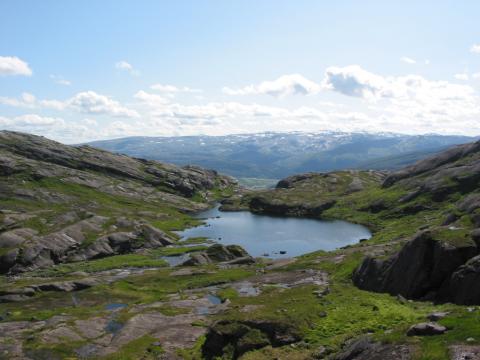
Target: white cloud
(284,85)
(476,75)
(92,103)
(475,49)
(86,102)
(30,120)
(409,103)
(153,100)
(27,100)
(125,66)
(173,89)
(12,65)
(354,81)
(60,80)
(462,76)
(407,60)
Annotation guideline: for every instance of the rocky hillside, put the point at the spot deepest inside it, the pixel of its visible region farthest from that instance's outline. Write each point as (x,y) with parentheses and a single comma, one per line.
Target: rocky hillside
(62,204)
(442,261)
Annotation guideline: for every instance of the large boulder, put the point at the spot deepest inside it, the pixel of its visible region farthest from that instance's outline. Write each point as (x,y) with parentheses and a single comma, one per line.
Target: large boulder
(418,271)
(426,329)
(154,237)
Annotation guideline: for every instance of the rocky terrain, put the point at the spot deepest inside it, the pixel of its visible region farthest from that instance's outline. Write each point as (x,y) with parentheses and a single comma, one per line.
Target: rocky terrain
(92,268)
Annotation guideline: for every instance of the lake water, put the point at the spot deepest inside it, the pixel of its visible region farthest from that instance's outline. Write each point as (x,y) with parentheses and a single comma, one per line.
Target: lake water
(262,234)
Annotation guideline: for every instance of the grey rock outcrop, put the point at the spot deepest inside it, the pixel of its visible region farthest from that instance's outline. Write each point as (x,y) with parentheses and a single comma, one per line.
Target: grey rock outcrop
(419,271)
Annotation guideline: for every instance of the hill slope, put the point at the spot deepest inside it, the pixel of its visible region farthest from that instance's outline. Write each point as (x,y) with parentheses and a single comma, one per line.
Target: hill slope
(62,203)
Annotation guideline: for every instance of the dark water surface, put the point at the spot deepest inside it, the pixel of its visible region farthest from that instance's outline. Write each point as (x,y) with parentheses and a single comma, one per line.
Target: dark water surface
(262,234)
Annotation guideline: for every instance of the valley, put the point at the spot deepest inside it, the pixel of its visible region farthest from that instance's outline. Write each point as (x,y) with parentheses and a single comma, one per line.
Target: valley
(87,238)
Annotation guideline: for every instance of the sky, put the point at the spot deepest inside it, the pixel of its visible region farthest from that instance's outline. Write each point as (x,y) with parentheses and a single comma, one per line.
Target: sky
(76,71)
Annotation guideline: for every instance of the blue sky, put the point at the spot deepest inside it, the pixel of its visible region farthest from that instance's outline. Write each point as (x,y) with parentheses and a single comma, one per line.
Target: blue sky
(84,70)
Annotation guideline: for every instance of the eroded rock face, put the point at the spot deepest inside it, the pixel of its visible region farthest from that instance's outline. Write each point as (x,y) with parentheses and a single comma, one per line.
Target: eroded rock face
(419,271)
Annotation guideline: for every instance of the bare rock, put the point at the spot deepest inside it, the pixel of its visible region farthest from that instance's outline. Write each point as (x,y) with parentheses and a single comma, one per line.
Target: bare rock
(418,271)
(366,349)
(426,329)
(435,316)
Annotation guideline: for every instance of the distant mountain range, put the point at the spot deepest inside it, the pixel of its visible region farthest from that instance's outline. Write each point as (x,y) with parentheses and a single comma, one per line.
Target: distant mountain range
(277,155)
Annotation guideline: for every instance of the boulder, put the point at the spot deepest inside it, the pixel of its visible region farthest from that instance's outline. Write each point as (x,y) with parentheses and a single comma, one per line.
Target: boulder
(426,329)
(435,316)
(197,259)
(154,237)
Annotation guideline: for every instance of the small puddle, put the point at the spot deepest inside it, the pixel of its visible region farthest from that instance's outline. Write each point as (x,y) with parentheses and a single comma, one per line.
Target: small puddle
(176,260)
(207,310)
(115,306)
(247,289)
(113,326)
(215,300)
